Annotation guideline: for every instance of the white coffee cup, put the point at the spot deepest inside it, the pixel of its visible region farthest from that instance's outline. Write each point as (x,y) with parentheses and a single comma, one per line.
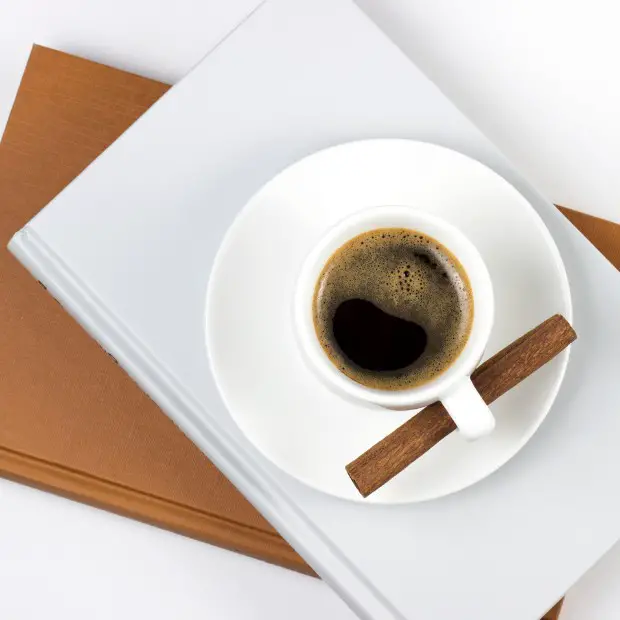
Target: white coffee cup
(453,387)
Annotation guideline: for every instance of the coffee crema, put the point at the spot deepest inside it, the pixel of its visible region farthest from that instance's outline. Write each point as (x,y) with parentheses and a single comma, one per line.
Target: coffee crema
(393,308)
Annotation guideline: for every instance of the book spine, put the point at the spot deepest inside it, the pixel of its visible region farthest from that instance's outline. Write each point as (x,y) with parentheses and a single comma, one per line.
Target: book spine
(200,426)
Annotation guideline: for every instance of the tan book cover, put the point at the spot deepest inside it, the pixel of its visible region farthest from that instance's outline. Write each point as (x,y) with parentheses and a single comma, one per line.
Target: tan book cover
(71,421)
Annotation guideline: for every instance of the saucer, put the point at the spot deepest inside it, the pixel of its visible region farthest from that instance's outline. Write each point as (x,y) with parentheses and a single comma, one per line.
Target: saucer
(277,401)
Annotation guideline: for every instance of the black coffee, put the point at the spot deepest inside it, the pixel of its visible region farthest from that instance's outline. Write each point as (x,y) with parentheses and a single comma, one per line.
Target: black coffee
(393,308)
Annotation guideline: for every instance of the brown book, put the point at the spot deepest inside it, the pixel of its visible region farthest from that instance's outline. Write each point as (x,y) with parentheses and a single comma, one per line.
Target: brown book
(71,421)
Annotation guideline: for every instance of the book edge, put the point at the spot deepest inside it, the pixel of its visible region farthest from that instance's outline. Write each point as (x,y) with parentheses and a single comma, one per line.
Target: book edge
(227,454)
(150,509)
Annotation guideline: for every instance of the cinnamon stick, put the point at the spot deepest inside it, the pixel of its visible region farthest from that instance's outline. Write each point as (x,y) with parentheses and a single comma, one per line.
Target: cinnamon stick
(496,376)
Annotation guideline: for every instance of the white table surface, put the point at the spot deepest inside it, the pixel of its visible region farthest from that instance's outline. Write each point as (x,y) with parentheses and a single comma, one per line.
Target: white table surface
(540,77)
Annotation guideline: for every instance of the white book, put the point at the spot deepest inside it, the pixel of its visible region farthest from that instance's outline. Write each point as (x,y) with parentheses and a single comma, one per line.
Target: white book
(127,249)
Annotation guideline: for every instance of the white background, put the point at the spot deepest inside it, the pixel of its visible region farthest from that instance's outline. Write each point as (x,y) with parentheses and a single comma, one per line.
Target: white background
(540,77)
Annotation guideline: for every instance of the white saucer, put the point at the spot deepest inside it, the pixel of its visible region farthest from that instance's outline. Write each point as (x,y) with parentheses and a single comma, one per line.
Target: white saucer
(280,405)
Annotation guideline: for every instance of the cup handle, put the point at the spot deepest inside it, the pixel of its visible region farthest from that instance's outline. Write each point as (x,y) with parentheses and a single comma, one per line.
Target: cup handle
(470,413)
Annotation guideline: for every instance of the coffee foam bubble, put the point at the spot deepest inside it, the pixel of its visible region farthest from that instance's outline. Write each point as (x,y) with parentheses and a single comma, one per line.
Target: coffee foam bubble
(408,275)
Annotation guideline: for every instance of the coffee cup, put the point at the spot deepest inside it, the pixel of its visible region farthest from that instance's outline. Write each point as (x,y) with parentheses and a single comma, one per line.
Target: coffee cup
(408,262)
